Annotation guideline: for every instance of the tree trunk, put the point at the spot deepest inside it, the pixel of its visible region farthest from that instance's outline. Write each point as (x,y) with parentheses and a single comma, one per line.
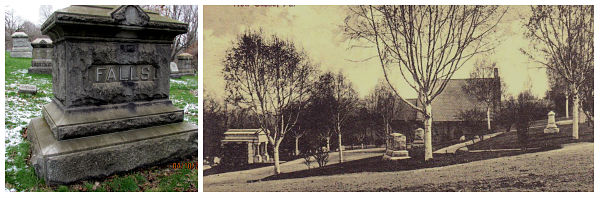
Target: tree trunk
(575,113)
(297,152)
(427,138)
(277,168)
(567,104)
(488,119)
(327,140)
(340,146)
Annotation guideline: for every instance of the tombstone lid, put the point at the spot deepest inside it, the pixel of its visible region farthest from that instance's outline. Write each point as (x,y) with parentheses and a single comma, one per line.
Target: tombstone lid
(110,21)
(19,35)
(41,42)
(185,56)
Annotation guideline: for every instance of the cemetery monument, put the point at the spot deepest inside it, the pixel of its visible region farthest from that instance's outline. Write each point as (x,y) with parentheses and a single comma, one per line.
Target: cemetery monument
(42,56)
(21,47)
(111,110)
(551,126)
(396,147)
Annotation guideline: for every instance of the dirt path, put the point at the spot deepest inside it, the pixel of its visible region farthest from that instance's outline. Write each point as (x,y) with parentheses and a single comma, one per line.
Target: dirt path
(568,169)
(242,177)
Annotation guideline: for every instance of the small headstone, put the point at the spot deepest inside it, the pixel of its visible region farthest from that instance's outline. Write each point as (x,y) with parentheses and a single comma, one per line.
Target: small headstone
(551,126)
(173,67)
(21,47)
(28,89)
(396,147)
(463,138)
(42,56)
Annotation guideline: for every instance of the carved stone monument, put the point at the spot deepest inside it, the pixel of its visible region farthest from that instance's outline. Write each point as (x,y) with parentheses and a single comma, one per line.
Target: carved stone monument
(42,56)
(111,110)
(551,126)
(184,63)
(396,147)
(417,147)
(21,47)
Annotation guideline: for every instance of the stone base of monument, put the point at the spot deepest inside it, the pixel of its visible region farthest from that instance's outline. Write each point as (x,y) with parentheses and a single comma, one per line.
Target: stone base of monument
(60,162)
(40,70)
(551,129)
(69,123)
(15,53)
(395,155)
(417,150)
(40,67)
(182,73)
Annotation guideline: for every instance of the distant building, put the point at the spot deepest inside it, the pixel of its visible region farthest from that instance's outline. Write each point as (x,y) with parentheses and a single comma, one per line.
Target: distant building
(245,146)
(446,108)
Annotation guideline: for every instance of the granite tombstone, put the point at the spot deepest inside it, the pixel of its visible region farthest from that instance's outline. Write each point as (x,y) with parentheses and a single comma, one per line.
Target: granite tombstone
(21,46)
(111,110)
(42,56)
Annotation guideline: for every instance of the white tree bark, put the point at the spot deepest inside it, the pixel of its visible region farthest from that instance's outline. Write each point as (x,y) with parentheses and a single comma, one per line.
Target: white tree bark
(327,139)
(340,146)
(488,119)
(575,113)
(567,104)
(297,151)
(277,168)
(427,123)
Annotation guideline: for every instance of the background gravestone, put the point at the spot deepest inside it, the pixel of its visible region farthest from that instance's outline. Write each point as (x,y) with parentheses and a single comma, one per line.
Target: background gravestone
(21,46)
(396,147)
(174,70)
(184,63)
(417,147)
(42,56)
(111,110)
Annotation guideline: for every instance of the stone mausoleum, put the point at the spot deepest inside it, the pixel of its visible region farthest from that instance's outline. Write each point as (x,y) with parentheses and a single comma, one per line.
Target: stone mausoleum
(111,110)
(42,56)
(245,146)
(21,46)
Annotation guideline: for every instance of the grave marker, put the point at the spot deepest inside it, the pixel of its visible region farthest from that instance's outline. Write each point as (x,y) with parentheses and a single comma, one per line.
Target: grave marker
(111,110)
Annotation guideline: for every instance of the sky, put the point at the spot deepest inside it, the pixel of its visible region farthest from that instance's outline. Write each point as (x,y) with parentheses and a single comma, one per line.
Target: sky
(317,30)
(32,13)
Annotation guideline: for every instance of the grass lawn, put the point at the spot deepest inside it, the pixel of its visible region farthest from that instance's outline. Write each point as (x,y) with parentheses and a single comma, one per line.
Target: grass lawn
(21,108)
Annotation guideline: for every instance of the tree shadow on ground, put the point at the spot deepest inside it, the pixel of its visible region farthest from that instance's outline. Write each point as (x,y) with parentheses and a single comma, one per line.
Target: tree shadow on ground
(377,164)
(223,169)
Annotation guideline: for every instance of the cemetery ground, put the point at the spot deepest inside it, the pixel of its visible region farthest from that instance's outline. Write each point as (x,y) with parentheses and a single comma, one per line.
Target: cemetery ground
(551,162)
(21,108)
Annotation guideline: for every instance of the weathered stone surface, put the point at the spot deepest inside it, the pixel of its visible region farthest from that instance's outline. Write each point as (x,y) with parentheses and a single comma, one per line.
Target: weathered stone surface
(28,89)
(174,68)
(94,120)
(42,56)
(551,126)
(21,46)
(111,110)
(60,162)
(417,147)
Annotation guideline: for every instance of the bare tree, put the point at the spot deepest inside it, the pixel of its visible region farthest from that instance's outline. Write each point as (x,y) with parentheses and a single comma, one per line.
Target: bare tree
(268,76)
(11,24)
(45,12)
(345,100)
(184,13)
(564,37)
(483,86)
(386,104)
(427,44)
